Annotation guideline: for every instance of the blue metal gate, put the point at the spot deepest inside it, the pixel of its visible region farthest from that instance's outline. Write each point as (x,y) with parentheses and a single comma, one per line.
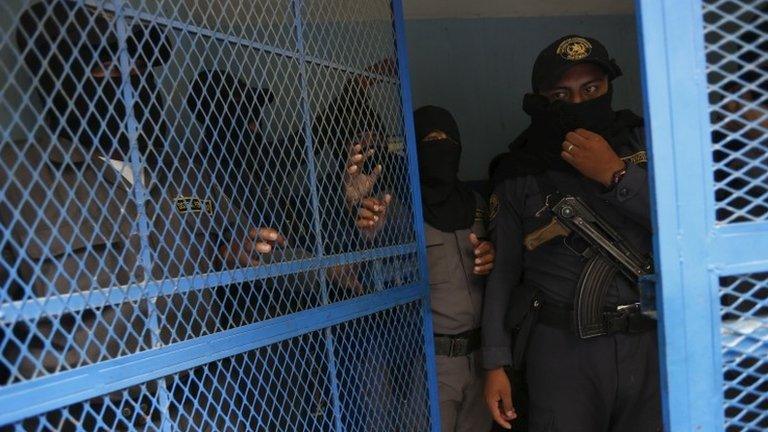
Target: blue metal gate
(706,77)
(208,218)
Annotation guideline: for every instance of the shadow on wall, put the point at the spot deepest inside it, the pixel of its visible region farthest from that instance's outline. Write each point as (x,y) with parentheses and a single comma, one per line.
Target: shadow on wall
(479,69)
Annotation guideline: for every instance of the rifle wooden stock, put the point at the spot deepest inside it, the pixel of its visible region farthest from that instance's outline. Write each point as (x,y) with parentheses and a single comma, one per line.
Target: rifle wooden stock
(545,234)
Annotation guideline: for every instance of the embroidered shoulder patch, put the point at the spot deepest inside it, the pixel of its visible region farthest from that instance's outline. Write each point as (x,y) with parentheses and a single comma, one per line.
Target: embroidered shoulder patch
(493,207)
(639,157)
(193,204)
(479,214)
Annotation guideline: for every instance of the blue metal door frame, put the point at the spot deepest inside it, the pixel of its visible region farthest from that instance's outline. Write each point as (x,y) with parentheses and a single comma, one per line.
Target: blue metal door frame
(693,250)
(413,162)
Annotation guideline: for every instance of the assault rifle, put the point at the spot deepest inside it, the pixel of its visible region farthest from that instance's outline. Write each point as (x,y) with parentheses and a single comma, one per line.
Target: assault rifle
(607,253)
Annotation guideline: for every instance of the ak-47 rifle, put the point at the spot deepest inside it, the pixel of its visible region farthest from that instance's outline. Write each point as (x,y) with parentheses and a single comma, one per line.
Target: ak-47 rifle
(608,253)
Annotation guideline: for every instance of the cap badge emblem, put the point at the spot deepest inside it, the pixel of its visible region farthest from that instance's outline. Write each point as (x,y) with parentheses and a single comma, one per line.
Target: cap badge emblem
(574,48)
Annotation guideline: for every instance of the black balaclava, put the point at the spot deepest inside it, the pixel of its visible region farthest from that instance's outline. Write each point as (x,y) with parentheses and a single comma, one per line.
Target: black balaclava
(225,106)
(62,42)
(92,112)
(551,121)
(447,203)
(348,118)
(539,147)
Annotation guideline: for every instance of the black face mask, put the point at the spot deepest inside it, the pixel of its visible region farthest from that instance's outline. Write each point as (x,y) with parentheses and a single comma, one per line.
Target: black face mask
(447,203)
(595,115)
(227,132)
(438,166)
(551,121)
(539,147)
(230,120)
(555,119)
(92,112)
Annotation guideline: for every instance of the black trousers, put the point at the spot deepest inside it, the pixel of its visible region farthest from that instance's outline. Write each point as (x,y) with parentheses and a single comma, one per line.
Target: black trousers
(603,384)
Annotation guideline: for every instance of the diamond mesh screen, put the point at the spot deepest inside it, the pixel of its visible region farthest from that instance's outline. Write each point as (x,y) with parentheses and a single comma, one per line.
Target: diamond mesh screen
(179,169)
(737,71)
(285,386)
(744,302)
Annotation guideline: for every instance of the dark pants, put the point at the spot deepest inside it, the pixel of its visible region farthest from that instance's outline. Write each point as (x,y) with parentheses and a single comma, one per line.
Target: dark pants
(603,384)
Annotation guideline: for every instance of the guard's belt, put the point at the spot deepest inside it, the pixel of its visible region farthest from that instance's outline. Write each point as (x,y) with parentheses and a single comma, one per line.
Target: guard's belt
(458,345)
(620,319)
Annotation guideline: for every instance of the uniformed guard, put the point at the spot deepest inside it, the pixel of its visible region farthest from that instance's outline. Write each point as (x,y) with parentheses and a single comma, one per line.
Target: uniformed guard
(458,257)
(229,112)
(352,207)
(246,163)
(607,378)
(344,134)
(246,168)
(72,217)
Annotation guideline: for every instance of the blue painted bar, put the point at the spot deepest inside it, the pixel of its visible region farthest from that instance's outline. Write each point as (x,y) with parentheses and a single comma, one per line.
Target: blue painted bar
(48,393)
(418,218)
(53,306)
(740,249)
(137,166)
(680,164)
(309,149)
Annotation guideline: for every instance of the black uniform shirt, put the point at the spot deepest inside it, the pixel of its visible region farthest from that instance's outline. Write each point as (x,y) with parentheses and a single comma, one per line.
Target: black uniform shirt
(553,268)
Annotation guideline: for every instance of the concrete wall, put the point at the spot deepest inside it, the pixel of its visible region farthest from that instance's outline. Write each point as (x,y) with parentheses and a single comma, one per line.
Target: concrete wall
(479,69)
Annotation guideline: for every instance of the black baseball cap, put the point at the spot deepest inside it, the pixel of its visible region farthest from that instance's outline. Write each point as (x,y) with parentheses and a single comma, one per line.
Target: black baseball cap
(569,51)
(69,29)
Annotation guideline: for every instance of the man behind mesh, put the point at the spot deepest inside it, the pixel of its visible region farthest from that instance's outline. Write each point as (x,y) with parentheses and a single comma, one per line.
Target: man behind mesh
(72,217)
(352,205)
